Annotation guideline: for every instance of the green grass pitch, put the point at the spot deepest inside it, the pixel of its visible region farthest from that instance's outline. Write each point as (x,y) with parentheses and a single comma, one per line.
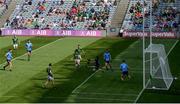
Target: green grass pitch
(24,83)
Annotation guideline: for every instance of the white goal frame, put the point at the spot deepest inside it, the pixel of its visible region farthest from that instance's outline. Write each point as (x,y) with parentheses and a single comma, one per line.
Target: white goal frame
(145,49)
(162,67)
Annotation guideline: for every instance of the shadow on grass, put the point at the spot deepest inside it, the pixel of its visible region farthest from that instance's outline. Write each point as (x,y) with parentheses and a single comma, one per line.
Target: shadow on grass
(37,42)
(67,78)
(1,69)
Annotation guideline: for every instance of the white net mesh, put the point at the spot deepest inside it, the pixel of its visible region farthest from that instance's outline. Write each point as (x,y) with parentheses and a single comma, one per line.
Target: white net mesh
(157,71)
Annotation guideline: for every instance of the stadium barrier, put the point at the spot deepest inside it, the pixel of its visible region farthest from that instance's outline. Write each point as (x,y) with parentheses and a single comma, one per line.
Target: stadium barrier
(112,31)
(0,32)
(48,32)
(135,34)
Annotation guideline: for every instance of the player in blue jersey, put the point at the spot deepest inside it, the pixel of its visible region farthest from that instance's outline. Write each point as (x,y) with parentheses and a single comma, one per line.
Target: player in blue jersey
(107,59)
(124,69)
(9,60)
(29,49)
(50,77)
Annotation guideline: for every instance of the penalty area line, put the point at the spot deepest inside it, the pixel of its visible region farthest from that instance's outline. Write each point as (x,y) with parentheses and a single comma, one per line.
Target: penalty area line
(84,81)
(99,70)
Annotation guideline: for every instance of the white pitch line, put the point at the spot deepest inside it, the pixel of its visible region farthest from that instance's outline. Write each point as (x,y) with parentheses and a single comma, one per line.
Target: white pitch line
(96,93)
(148,80)
(85,81)
(172,47)
(99,70)
(139,95)
(34,50)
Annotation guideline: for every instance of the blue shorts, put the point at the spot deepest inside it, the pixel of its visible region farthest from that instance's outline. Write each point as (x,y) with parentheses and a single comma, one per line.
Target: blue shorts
(124,73)
(107,61)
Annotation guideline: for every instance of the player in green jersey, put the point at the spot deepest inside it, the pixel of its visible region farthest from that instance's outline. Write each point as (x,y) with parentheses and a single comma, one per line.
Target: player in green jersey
(15,42)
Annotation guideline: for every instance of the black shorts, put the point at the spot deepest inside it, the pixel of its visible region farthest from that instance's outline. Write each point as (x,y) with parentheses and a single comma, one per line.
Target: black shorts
(97,66)
(8,61)
(124,73)
(29,51)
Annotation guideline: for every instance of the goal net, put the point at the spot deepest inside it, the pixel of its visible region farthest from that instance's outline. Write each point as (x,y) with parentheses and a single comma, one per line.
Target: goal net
(157,70)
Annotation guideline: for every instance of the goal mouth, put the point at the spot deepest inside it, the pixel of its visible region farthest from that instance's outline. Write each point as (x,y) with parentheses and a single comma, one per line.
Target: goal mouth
(157,71)
(159,83)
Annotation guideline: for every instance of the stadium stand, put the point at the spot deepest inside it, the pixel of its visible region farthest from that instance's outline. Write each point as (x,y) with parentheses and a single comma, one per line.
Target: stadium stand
(118,18)
(164,16)
(4,6)
(62,14)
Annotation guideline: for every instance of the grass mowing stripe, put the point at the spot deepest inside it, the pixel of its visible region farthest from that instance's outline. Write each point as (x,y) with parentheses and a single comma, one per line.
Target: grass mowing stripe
(93,93)
(37,42)
(109,82)
(81,98)
(52,54)
(36,49)
(87,80)
(66,77)
(74,91)
(7,41)
(172,95)
(139,95)
(172,48)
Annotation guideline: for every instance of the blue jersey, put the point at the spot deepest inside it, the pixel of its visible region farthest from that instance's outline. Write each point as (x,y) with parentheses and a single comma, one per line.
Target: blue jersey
(124,67)
(9,56)
(107,56)
(29,46)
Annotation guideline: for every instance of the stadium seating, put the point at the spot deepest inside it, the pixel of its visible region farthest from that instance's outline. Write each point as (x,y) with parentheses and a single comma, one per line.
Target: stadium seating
(62,14)
(4,5)
(164,16)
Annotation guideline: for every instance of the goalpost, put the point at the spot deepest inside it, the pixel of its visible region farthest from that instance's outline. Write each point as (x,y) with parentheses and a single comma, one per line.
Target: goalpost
(156,70)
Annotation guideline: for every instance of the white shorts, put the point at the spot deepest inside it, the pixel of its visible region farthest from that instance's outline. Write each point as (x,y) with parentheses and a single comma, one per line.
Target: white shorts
(15,45)
(50,78)
(79,57)
(77,61)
